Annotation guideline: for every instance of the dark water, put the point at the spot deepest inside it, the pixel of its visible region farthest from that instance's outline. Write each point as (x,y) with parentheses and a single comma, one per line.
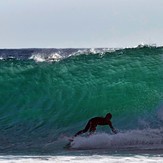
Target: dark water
(46,94)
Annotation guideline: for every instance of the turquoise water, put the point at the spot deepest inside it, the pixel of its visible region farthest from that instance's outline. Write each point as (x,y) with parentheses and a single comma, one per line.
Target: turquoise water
(44,100)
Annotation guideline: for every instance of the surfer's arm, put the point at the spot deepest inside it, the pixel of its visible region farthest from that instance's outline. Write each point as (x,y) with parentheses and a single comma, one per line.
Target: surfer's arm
(112,128)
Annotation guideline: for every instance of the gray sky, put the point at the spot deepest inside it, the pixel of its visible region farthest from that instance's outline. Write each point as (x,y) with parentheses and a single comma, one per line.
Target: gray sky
(80,23)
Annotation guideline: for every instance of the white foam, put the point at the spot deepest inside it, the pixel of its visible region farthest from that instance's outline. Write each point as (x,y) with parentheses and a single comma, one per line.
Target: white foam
(148,138)
(91,51)
(82,159)
(54,57)
(59,55)
(37,58)
(44,58)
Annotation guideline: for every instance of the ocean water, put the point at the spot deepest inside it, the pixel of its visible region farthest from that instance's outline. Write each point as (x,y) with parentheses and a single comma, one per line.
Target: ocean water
(47,95)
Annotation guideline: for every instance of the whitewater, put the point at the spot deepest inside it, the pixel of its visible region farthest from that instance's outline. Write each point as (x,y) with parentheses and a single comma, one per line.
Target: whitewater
(47,95)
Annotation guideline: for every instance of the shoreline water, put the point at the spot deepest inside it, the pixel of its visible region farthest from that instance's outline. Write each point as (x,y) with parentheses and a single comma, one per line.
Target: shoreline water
(76,159)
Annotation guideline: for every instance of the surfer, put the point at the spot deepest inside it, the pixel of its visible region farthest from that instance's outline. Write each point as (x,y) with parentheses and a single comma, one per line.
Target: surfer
(93,122)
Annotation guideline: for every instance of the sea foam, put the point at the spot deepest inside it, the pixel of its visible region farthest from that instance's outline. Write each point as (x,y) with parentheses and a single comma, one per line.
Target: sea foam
(147,138)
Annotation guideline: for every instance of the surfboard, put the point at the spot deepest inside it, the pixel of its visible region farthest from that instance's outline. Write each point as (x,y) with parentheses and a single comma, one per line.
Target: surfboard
(68,145)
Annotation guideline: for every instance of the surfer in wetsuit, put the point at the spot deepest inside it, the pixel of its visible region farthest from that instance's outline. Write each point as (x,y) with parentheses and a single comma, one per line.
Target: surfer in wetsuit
(92,124)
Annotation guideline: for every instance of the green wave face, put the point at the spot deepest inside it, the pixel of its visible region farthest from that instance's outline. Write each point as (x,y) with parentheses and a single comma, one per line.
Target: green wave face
(54,98)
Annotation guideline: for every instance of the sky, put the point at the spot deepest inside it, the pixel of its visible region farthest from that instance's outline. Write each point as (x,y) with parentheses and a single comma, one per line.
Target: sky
(80,23)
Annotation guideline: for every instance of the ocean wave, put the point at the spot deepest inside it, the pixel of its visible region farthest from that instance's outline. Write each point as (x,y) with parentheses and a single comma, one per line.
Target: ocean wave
(39,102)
(91,51)
(42,58)
(54,57)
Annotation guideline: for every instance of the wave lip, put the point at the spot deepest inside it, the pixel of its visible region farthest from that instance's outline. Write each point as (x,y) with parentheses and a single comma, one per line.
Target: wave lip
(53,55)
(42,58)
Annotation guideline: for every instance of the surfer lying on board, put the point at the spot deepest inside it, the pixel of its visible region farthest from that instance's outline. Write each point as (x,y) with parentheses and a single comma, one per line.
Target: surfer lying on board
(92,124)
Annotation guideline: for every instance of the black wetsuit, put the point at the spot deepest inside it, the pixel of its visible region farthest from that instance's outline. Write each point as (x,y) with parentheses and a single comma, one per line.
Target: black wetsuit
(92,124)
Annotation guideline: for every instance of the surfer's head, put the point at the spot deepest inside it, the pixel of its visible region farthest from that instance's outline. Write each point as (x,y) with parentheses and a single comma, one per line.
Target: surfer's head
(108,116)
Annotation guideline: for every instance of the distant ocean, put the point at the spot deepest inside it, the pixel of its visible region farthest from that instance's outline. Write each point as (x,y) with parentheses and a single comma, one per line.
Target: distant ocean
(47,95)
